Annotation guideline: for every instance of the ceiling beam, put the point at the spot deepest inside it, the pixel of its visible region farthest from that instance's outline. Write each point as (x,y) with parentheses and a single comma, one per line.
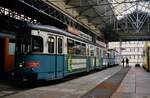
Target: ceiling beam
(67,1)
(101,4)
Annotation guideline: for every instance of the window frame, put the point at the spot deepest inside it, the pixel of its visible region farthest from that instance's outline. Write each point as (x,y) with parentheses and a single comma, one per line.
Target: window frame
(41,46)
(73,42)
(83,49)
(92,49)
(54,44)
(75,50)
(62,43)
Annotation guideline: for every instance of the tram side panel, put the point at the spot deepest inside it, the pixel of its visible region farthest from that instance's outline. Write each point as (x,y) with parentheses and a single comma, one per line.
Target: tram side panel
(112,58)
(105,58)
(92,57)
(76,56)
(99,58)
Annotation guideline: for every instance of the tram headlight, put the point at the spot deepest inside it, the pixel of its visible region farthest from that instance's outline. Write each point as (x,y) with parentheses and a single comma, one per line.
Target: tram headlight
(12,73)
(20,65)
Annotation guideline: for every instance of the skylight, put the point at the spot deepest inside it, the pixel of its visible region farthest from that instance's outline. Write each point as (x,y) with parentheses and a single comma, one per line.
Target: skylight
(122,8)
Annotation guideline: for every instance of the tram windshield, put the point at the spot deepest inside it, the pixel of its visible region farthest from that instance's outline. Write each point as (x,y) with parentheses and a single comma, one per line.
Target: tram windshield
(29,44)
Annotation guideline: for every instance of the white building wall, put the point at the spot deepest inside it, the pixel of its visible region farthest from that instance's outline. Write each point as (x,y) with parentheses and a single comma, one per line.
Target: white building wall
(130,49)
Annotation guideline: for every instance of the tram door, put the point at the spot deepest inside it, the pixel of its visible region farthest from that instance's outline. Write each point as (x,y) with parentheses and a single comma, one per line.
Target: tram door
(7,50)
(60,57)
(55,48)
(1,54)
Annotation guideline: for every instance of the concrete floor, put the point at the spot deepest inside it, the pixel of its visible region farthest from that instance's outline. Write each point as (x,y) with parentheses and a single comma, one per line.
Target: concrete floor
(136,84)
(70,89)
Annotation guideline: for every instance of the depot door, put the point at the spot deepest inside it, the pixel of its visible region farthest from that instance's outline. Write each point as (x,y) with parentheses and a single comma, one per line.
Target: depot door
(1,54)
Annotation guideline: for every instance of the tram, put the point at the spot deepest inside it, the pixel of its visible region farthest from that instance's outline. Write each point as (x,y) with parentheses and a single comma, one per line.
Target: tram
(49,53)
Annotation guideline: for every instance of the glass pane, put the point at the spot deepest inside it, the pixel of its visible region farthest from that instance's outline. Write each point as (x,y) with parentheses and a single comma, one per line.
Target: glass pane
(83,50)
(77,48)
(51,44)
(70,45)
(97,52)
(91,51)
(37,44)
(60,45)
(23,44)
(11,48)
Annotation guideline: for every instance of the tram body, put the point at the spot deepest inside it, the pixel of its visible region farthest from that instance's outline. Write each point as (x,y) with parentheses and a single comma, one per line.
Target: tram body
(113,58)
(49,53)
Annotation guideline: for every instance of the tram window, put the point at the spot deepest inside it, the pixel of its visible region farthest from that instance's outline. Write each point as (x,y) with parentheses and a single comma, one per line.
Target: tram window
(91,51)
(11,48)
(27,44)
(51,44)
(83,49)
(37,44)
(100,52)
(97,52)
(77,48)
(70,46)
(23,44)
(60,41)
(87,51)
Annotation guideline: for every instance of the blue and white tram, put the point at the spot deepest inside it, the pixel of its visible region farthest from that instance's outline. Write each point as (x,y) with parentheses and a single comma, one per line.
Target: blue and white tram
(49,53)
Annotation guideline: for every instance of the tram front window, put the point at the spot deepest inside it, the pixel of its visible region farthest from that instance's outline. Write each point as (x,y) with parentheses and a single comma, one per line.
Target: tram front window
(37,44)
(29,44)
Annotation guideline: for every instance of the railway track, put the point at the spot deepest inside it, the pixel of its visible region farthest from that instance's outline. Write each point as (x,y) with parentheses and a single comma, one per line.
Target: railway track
(8,88)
